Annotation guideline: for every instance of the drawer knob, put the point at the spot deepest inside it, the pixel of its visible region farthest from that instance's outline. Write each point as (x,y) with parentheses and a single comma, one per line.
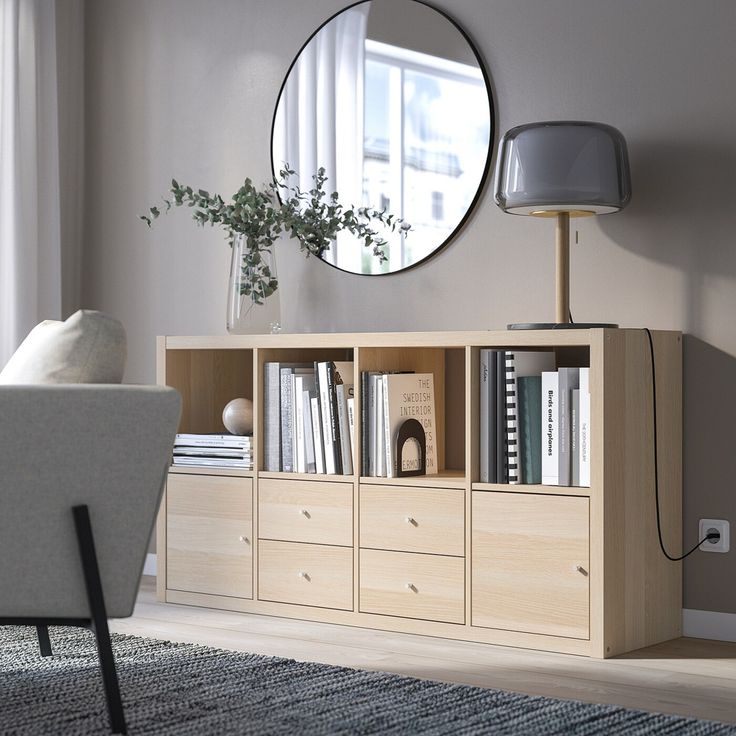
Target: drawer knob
(304,575)
(305,514)
(411,587)
(243,539)
(411,520)
(581,570)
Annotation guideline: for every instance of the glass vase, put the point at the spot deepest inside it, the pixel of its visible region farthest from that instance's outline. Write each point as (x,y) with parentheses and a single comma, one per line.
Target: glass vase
(252,307)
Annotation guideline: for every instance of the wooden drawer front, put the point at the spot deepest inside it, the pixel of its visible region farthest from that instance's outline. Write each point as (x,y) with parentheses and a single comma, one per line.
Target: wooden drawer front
(209,546)
(411,585)
(307,574)
(306,511)
(413,519)
(530,563)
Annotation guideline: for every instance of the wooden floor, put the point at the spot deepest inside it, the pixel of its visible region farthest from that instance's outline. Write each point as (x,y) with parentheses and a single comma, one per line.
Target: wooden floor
(691,677)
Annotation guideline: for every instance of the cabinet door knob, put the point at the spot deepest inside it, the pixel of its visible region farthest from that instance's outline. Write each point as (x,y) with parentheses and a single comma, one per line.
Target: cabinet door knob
(304,575)
(411,520)
(581,570)
(243,539)
(411,587)
(305,514)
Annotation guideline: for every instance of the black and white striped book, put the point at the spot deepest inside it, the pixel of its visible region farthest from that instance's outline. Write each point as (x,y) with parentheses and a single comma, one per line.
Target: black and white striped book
(512,448)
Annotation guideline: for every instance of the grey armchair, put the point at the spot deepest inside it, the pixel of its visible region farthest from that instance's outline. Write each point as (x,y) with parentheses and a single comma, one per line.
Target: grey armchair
(82,469)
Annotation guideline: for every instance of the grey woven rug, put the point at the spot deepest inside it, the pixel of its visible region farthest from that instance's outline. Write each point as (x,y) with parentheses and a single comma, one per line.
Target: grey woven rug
(187,690)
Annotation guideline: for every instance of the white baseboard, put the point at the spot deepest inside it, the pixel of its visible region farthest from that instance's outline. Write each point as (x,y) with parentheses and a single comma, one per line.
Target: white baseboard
(149,568)
(708,624)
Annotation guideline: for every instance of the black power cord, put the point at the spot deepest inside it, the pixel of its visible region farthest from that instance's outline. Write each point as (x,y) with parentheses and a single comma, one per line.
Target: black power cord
(710,535)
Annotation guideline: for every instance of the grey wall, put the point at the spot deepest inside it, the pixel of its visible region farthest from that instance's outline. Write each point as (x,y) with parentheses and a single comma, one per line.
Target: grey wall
(186,89)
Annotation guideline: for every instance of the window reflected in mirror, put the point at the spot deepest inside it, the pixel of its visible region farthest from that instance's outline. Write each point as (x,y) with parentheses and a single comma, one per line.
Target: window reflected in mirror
(390,98)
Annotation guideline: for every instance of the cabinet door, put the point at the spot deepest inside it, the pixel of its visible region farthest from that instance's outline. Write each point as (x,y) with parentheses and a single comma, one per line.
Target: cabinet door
(209,544)
(530,567)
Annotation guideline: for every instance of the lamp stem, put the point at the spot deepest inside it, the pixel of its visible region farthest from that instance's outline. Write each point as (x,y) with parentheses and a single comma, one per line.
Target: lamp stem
(562,259)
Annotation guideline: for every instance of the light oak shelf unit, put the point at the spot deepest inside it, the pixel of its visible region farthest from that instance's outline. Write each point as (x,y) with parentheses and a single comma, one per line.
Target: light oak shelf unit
(574,570)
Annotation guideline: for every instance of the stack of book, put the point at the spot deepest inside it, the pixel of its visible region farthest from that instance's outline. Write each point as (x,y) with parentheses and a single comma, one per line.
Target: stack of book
(534,420)
(387,401)
(309,417)
(214,450)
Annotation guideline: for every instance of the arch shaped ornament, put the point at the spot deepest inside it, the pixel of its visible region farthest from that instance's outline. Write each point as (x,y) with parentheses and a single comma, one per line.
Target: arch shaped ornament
(392,98)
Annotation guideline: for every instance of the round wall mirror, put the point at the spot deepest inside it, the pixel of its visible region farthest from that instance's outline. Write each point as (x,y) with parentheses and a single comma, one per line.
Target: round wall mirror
(391,98)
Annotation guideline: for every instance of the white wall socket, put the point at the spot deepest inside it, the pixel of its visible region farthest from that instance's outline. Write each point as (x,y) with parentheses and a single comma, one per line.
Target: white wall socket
(715,545)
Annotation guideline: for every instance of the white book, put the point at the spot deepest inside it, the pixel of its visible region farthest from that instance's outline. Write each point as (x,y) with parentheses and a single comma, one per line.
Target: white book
(324,408)
(272,416)
(309,458)
(351,424)
(319,449)
(584,423)
(388,449)
(297,404)
(550,428)
(372,434)
(569,380)
(380,431)
(342,390)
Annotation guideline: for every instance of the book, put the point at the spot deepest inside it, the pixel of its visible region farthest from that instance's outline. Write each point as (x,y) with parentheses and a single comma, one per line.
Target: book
(372,416)
(512,454)
(584,448)
(234,452)
(364,453)
(351,424)
(549,428)
(529,395)
(569,379)
(409,396)
(575,437)
(487,416)
(309,457)
(530,364)
(328,413)
(319,448)
(380,430)
(302,380)
(286,370)
(212,440)
(500,416)
(222,462)
(343,372)
(272,416)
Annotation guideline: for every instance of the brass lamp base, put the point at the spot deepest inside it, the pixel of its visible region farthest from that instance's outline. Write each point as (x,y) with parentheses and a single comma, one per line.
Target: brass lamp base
(559,325)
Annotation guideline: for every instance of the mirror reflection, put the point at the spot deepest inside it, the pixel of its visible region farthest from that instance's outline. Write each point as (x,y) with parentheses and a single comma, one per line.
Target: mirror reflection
(389,97)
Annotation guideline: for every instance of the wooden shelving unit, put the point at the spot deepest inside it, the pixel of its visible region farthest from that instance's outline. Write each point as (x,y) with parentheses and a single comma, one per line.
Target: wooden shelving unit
(574,570)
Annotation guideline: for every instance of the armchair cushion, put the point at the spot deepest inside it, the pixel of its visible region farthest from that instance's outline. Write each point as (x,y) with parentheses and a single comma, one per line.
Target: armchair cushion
(89,347)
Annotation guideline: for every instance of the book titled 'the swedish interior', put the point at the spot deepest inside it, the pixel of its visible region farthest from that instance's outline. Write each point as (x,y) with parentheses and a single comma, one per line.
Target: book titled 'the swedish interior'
(409,396)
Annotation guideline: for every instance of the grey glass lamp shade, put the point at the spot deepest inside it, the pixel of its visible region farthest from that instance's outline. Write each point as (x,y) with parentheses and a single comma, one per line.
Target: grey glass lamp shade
(562,169)
(563,166)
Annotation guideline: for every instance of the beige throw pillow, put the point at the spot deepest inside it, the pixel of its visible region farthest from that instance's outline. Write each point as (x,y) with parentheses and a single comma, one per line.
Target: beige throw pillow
(89,347)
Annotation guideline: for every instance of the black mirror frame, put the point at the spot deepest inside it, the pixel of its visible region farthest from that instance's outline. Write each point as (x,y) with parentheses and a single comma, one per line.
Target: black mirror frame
(484,178)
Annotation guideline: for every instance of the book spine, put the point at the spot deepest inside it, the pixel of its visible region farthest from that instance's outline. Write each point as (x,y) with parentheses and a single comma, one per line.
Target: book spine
(575,436)
(485,417)
(319,450)
(272,417)
(372,434)
(380,431)
(287,451)
(549,427)
(351,425)
(334,420)
(500,418)
(297,403)
(529,390)
(364,454)
(584,448)
(324,408)
(512,447)
(342,416)
(387,439)
(235,441)
(309,457)
(569,379)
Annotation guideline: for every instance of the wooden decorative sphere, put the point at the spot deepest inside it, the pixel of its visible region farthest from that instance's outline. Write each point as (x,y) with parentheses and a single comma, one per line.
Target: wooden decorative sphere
(237,416)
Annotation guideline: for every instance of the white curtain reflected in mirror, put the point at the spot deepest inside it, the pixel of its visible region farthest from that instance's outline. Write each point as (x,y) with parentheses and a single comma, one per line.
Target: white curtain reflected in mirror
(390,99)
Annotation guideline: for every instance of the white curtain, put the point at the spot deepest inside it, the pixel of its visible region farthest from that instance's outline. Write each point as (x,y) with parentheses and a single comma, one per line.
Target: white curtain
(32,159)
(319,121)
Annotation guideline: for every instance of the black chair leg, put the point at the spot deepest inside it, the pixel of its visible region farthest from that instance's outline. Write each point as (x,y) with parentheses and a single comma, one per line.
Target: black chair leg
(99,618)
(44,643)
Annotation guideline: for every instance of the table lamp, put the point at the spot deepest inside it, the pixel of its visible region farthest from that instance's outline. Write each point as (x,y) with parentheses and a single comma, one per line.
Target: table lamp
(562,169)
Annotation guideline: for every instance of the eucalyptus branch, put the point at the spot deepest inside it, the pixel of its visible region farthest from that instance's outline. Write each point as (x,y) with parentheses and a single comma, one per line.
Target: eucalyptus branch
(261,216)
